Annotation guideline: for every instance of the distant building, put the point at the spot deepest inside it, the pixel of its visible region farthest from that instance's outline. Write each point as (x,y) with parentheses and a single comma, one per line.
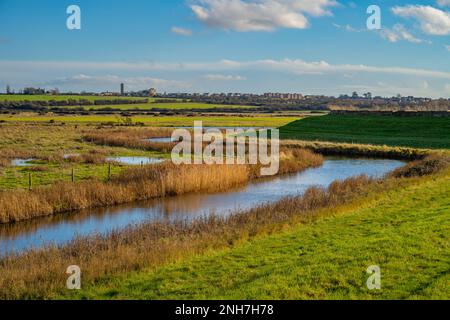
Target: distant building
(8,89)
(122,89)
(286,96)
(152,92)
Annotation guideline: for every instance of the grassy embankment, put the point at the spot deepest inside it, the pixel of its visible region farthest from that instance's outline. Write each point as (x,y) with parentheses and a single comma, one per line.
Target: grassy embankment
(412,131)
(313,246)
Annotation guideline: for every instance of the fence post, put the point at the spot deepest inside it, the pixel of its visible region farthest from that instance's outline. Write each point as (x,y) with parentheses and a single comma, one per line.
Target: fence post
(73,175)
(109,171)
(30,186)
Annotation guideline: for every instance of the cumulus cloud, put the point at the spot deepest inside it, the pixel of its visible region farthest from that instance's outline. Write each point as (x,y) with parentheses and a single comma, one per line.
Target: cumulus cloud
(182,31)
(443,3)
(223,77)
(432,21)
(260,15)
(398,33)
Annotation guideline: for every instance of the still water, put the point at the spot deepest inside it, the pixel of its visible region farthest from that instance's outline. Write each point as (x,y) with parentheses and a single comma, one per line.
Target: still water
(63,228)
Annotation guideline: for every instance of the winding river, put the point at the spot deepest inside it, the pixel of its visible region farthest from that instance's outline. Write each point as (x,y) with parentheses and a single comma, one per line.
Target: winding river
(60,229)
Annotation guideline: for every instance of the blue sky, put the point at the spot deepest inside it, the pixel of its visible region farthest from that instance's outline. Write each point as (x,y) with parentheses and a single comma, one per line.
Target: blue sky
(311,47)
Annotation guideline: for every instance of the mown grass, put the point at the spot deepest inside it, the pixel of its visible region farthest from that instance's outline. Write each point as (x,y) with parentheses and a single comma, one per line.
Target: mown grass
(412,131)
(160,121)
(403,230)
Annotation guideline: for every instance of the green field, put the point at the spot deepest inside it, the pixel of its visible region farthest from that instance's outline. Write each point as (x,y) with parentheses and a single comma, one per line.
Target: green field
(162,121)
(404,231)
(412,131)
(169,106)
(152,102)
(18,97)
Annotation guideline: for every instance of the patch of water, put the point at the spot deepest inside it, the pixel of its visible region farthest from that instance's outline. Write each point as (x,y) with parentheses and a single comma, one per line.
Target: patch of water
(135,161)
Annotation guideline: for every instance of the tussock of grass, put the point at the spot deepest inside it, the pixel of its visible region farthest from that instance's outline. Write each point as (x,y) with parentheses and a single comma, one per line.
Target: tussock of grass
(431,164)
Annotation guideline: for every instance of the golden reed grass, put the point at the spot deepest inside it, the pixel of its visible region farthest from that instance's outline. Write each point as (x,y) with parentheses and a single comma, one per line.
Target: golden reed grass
(358,150)
(131,138)
(140,183)
(40,274)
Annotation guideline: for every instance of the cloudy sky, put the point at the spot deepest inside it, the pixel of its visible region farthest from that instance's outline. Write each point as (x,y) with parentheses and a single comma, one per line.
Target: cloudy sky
(311,47)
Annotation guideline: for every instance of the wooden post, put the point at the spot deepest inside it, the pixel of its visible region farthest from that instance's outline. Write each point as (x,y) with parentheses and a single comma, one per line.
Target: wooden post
(109,171)
(73,175)
(30,186)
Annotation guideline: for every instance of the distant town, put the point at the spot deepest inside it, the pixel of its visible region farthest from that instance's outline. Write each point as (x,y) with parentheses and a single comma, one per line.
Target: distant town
(271,101)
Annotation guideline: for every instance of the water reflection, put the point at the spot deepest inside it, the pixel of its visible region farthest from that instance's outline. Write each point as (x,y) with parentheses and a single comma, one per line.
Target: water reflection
(134,161)
(62,228)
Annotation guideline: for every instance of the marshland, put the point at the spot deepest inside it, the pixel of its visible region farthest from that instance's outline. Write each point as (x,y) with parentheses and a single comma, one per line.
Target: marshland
(124,222)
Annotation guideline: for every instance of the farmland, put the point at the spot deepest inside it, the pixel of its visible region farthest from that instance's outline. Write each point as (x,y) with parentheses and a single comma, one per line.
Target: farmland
(411,131)
(108,102)
(157,121)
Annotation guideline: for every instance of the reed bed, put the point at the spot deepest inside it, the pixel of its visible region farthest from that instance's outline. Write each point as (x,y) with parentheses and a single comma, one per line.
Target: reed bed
(359,150)
(140,183)
(131,138)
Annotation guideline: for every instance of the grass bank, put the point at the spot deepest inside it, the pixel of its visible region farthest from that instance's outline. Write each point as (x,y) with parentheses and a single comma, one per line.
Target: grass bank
(412,131)
(403,230)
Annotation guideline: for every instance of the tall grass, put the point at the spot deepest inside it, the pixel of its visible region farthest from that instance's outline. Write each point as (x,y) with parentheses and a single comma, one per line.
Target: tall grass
(141,183)
(130,138)
(358,150)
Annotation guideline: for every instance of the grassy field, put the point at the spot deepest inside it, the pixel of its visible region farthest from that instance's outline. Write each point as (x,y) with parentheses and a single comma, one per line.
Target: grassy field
(153,103)
(18,97)
(162,121)
(404,231)
(47,144)
(169,106)
(414,131)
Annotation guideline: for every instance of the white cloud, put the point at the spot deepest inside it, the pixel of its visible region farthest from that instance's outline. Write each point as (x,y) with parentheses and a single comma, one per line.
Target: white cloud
(443,3)
(182,31)
(398,33)
(348,28)
(134,83)
(286,66)
(432,21)
(222,77)
(259,15)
